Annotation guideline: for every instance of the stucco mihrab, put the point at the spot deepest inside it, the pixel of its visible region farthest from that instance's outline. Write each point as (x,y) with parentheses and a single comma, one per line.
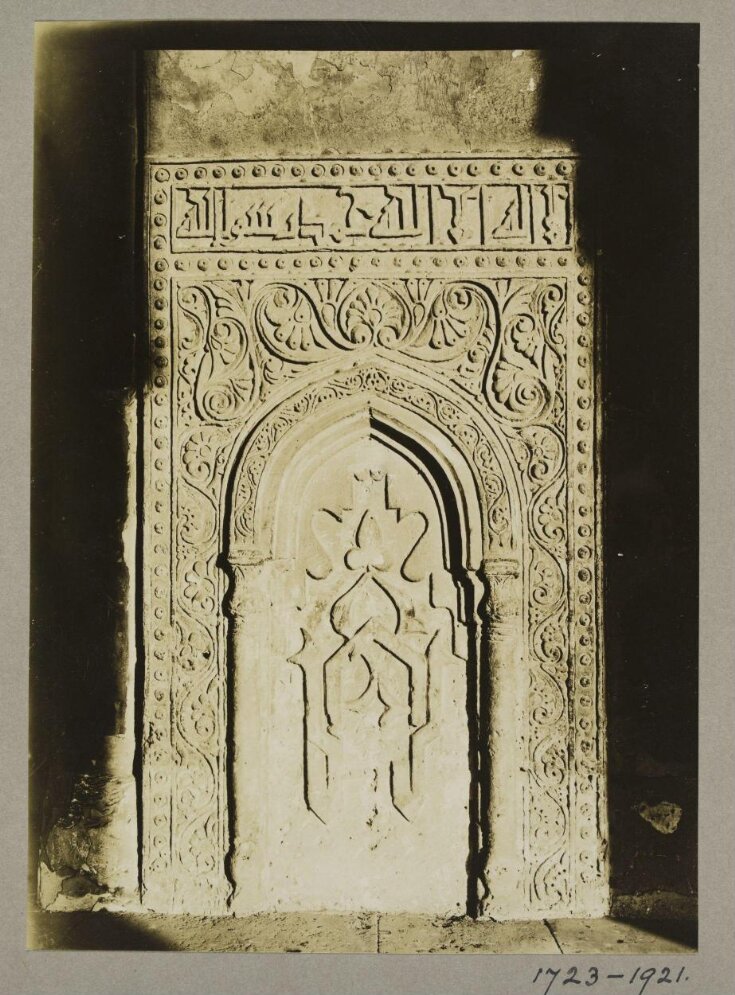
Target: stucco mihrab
(370,539)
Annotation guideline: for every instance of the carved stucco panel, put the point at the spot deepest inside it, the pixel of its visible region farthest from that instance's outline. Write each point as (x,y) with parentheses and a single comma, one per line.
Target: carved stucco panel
(458,296)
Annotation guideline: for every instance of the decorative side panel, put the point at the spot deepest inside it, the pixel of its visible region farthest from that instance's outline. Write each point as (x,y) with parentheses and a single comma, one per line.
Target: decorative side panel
(452,288)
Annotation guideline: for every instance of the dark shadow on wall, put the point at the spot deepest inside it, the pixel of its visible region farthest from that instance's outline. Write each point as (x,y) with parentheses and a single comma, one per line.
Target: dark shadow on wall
(627,96)
(82,375)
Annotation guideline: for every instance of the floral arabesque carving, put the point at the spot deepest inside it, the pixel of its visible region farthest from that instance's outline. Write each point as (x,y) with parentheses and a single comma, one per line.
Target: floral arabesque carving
(502,338)
(548,824)
(523,375)
(426,319)
(226,381)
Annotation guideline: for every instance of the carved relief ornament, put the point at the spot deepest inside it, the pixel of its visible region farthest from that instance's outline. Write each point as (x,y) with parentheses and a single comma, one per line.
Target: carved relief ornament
(451,286)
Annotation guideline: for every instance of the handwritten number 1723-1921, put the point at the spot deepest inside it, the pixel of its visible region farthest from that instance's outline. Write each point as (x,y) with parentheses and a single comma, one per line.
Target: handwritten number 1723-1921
(588,978)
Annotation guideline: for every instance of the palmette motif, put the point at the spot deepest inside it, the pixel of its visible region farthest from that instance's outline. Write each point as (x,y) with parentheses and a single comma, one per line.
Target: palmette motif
(494,350)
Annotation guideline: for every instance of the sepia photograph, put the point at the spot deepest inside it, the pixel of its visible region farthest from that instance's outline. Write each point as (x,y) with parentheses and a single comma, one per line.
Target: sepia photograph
(365,489)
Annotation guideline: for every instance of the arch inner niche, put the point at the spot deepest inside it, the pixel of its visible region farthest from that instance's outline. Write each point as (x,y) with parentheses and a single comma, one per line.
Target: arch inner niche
(356,742)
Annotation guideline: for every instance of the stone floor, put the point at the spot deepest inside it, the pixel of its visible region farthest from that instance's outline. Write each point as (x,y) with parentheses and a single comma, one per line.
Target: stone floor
(367,933)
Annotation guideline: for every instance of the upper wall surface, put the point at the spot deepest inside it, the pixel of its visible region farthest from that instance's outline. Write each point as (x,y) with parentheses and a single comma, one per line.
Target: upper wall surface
(234,103)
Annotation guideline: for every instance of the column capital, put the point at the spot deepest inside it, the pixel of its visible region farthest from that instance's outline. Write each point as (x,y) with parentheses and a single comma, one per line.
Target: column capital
(502,580)
(249,589)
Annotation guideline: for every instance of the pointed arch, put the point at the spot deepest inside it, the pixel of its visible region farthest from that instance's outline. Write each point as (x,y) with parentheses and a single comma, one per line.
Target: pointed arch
(462,456)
